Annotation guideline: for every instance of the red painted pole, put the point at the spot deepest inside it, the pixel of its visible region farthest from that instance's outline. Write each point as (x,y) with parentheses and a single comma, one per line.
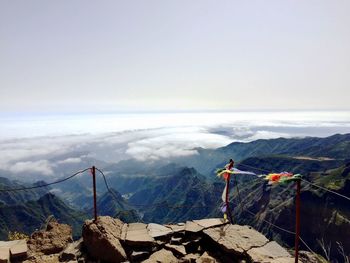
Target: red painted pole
(297,222)
(94,188)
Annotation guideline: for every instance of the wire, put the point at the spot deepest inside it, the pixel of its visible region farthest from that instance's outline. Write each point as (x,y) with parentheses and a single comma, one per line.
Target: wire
(306,245)
(306,181)
(106,184)
(326,189)
(271,224)
(256,168)
(44,185)
(268,222)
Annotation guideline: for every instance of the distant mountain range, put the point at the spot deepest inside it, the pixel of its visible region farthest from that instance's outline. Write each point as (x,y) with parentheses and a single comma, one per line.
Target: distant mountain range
(177,190)
(29,216)
(333,147)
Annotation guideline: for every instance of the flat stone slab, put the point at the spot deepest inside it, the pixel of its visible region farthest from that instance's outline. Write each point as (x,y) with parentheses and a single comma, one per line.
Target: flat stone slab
(210,222)
(156,230)
(176,241)
(284,260)
(4,255)
(177,228)
(177,250)
(205,258)
(137,234)
(236,239)
(139,255)
(268,252)
(16,248)
(12,243)
(162,256)
(190,258)
(193,227)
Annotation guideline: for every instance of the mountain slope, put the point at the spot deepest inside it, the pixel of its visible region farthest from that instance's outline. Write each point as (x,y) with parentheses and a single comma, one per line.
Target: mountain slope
(177,197)
(334,147)
(323,214)
(114,205)
(11,198)
(31,215)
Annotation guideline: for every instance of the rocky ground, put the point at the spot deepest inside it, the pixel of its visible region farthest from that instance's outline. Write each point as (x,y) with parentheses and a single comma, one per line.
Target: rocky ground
(110,240)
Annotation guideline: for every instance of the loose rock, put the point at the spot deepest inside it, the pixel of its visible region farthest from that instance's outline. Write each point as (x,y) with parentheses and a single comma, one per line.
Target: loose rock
(101,239)
(236,239)
(267,253)
(162,256)
(52,240)
(72,251)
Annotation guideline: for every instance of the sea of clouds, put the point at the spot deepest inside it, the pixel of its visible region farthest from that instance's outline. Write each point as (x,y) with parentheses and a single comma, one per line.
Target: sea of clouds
(45,145)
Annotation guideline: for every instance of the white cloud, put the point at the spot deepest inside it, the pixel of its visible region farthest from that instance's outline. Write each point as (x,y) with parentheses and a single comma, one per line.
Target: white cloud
(267,135)
(151,137)
(56,191)
(42,166)
(70,160)
(167,143)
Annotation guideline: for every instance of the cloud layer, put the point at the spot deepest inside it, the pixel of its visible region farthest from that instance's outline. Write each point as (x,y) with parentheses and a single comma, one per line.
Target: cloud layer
(151,137)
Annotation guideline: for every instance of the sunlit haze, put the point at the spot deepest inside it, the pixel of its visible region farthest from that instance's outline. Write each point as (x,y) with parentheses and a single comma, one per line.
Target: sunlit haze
(122,56)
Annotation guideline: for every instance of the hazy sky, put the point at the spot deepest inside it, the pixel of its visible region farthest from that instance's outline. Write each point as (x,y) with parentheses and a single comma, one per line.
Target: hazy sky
(174,55)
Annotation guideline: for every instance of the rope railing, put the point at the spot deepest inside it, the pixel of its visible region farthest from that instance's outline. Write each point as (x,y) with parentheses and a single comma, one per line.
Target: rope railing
(44,185)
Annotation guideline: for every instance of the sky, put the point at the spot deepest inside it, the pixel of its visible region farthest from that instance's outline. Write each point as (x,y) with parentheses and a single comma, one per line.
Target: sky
(120,56)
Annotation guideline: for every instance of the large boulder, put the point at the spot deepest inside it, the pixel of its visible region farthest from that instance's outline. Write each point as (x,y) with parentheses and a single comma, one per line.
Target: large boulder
(102,239)
(236,239)
(162,256)
(51,240)
(272,251)
(72,252)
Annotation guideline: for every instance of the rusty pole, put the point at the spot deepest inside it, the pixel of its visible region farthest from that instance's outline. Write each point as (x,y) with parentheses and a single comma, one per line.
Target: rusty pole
(94,188)
(297,222)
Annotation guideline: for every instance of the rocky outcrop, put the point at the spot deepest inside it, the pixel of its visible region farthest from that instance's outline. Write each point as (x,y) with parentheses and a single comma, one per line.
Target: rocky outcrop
(206,240)
(102,239)
(72,252)
(235,239)
(110,240)
(51,240)
(162,256)
(270,252)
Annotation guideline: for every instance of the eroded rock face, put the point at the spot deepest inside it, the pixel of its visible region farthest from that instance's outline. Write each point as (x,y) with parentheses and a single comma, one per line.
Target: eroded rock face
(102,239)
(158,231)
(162,256)
(308,257)
(205,258)
(52,240)
(236,239)
(72,251)
(270,251)
(208,240)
